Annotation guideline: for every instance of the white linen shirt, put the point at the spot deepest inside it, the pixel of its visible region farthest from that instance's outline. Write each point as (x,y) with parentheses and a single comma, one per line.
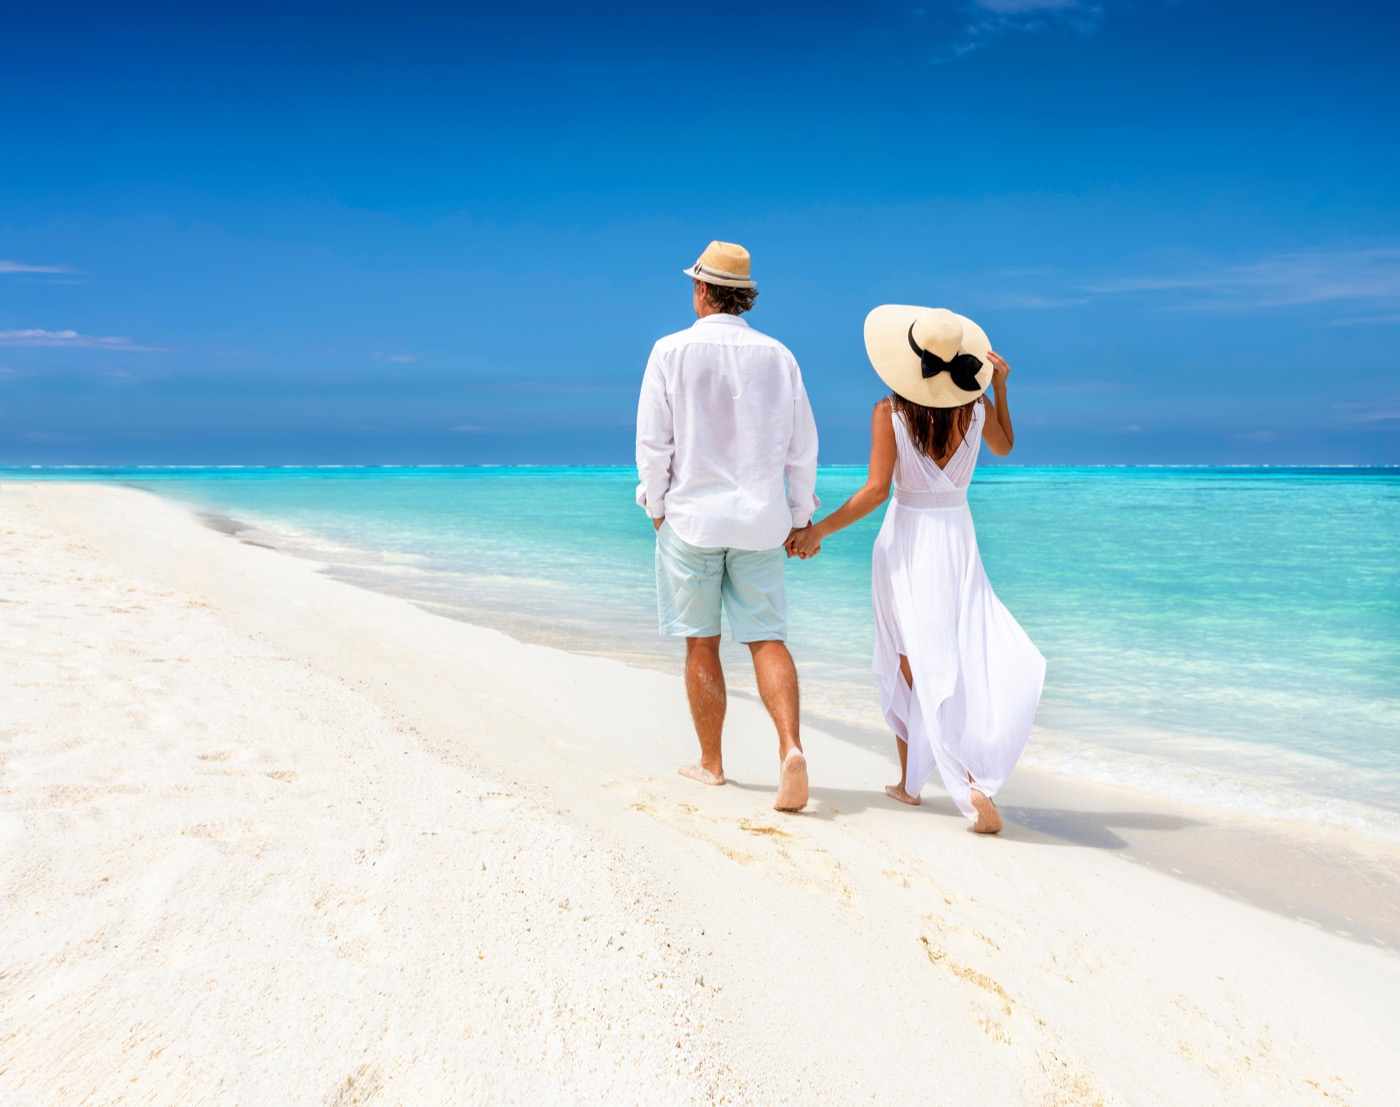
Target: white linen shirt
(726,442)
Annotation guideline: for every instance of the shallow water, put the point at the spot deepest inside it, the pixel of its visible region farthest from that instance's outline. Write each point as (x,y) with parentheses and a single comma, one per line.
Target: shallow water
(1226,635)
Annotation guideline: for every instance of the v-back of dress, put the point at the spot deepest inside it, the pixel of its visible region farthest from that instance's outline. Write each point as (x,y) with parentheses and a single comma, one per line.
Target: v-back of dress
(977,676)
(916,474)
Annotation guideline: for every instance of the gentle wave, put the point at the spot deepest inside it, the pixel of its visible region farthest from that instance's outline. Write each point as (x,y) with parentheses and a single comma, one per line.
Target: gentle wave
(1226,635)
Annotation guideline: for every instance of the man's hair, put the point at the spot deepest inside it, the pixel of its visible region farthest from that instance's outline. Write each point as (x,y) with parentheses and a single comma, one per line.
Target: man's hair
(731,301)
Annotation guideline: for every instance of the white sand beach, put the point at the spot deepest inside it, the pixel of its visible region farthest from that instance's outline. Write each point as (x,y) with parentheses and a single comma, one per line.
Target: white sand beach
(269,838)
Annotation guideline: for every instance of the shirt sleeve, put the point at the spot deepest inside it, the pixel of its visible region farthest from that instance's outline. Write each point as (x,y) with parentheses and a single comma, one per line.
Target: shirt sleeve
(656,441)
(802,456)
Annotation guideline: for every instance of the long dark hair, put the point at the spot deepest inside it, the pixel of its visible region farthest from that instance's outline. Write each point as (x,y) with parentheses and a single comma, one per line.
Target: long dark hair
(931,428)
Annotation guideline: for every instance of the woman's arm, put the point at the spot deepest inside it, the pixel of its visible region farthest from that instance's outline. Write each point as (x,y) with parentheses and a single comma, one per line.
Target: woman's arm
(876,489)
(998,433)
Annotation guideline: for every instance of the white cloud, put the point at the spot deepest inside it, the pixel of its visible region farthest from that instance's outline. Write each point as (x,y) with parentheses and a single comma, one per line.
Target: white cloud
(1363,283)
(1034,301)
(70,340)
(1368,275)
(1359,413)
(1014,7)
(990,19)
(1387,319)
(21,267)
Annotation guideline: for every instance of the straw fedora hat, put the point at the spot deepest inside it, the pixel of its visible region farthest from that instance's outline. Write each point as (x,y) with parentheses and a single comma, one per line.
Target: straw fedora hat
(725,263)
(931,356)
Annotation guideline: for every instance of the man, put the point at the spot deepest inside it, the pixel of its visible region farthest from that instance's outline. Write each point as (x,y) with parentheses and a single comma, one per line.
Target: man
(727,454)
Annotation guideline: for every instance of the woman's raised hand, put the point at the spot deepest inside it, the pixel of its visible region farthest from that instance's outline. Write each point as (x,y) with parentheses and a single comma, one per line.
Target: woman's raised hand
(1000,370)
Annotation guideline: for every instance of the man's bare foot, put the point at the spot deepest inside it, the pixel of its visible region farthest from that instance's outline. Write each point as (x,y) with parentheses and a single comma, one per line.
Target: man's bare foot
(988,817)
(701,774)
(897,792)
(792,783)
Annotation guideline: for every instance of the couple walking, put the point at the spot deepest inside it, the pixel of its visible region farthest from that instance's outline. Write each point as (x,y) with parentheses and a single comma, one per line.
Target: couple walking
(727,455)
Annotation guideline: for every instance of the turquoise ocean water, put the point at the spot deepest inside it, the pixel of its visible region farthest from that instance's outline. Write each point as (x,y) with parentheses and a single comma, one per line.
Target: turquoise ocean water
(1224,635)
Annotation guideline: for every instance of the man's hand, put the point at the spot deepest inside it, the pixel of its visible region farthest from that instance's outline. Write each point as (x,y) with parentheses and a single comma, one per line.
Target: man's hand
(656,523)
(803,542)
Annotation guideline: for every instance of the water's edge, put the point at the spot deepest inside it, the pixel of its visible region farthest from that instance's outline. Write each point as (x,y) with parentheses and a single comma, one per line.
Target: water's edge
(1342,880)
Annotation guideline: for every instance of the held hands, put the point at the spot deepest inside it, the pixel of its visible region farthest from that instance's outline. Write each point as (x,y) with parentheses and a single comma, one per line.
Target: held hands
(804,542)
(656,523)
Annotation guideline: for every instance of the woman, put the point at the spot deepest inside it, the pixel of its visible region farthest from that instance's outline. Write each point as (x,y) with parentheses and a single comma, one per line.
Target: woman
(959,679)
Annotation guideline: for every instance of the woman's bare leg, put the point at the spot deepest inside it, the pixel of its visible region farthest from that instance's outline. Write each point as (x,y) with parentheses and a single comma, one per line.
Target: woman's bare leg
(897,791)
(988,817)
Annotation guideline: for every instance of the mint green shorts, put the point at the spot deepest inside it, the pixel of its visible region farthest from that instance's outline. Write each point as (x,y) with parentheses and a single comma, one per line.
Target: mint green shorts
(693,583)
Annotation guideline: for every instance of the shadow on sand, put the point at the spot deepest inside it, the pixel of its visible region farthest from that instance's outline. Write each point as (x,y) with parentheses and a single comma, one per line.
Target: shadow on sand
(1039,825)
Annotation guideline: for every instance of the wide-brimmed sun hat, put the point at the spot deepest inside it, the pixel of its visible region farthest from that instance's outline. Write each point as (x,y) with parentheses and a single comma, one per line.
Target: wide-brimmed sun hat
(931,356)
(725,263)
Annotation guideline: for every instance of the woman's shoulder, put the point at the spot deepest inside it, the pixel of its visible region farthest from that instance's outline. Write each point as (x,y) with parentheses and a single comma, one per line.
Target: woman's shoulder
(881,420)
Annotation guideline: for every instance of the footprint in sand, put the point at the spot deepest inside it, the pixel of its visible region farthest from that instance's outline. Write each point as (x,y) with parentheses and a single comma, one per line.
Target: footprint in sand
(762,829)
(939,957)
(792,857)
(360,1086)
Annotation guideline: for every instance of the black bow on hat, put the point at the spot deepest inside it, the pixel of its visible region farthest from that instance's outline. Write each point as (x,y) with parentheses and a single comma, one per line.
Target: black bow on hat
(963,368)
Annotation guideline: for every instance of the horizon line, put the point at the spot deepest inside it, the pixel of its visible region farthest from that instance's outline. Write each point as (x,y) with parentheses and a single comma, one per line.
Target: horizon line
(24,467)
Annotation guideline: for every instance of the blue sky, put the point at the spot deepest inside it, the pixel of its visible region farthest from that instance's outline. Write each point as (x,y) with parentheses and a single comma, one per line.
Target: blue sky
(309,233)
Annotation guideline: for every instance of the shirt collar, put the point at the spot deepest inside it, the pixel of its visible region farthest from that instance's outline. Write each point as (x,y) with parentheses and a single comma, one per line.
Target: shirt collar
(721,317)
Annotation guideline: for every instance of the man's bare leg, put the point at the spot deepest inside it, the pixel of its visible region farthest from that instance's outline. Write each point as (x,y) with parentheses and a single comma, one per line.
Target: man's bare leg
(777,685)
(704,688)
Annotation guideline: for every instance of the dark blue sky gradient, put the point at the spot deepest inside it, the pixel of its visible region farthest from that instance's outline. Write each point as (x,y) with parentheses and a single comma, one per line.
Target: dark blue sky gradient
(312,233)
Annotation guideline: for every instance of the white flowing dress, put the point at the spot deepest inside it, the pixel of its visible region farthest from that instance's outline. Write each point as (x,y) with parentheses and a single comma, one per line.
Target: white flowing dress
(977,676)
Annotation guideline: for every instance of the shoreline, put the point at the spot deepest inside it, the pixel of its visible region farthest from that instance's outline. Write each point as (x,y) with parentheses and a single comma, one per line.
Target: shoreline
(20,471)
(1343,879)
(254,811)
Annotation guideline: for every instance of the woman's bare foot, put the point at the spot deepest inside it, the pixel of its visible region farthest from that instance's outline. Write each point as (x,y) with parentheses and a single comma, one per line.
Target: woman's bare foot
(988,817)
(897,792)
(700,773)
(792,783)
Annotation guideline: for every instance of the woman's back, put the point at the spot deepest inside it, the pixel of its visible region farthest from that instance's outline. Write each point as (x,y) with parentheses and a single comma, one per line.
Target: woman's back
(917,475)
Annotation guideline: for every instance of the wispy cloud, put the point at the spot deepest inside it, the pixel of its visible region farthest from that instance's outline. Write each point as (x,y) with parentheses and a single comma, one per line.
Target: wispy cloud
(1079,386)
(1032,301)
(23,267)
(1024,7)
(1360,276)
(988,20)
(1358,413)
(1364,282)
(1387,319)
(71,340)
(397,359)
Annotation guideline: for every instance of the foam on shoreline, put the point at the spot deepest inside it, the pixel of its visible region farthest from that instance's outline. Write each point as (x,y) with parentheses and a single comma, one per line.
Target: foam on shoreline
(251,811)
(1344,856)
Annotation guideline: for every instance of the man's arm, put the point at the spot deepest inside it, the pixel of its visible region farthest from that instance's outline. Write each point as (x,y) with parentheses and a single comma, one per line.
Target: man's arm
(655,442)
(801,469)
